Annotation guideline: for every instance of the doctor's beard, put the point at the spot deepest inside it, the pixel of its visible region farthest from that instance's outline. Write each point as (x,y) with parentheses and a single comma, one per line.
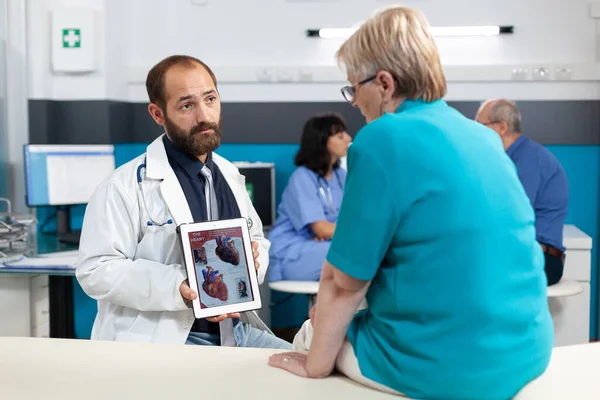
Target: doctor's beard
(193,142)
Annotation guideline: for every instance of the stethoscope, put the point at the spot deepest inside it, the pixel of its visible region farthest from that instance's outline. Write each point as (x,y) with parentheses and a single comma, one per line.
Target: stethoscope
(325,192)
(151,221)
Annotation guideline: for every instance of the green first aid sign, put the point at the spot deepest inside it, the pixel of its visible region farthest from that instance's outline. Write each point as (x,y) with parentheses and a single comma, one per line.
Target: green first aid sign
(71,38)
(250,190)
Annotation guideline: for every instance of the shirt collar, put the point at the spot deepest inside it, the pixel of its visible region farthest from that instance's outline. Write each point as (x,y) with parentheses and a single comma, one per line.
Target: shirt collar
(513,148)
(410,104)
(190,164)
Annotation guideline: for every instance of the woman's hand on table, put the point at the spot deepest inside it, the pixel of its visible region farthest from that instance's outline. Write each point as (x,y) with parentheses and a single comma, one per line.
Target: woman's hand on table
(296,363)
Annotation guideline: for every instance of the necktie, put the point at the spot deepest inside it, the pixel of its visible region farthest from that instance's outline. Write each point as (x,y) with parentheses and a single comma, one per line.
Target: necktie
(212,209)
(212,212)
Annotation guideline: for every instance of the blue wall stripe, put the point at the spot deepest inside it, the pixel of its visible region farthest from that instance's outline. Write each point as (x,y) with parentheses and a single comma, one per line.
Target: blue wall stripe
(582,165)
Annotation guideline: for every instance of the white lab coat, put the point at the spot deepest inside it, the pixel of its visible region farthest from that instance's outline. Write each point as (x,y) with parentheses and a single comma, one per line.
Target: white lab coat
(134,270)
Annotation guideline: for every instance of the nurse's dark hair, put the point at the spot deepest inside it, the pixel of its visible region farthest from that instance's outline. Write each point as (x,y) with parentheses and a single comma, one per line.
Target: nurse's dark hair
(155,81)
(313,153)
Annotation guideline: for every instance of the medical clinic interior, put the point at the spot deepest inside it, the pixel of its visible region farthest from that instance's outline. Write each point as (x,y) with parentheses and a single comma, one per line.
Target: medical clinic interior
(299,199)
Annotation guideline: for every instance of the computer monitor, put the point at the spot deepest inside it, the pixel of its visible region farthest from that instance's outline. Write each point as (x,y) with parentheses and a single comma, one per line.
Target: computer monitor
(65,175)
(260,185)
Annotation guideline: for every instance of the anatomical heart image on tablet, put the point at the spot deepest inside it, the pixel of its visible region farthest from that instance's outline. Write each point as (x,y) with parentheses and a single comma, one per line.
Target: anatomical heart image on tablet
(221,267)
(226,250)
(213,284)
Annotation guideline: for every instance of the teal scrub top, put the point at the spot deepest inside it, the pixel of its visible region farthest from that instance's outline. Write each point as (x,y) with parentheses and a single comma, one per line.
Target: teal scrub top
(434,214)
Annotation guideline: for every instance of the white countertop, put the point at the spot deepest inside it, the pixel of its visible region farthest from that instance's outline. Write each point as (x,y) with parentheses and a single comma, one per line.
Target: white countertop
(43,369)
(33,368)
(573,374)
(575,238)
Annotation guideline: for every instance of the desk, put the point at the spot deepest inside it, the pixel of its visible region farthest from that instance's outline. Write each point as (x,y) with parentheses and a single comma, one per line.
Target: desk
(59,292)
(34,368)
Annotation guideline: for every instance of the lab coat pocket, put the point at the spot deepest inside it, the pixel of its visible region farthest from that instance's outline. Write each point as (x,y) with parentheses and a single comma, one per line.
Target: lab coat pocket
(160,244)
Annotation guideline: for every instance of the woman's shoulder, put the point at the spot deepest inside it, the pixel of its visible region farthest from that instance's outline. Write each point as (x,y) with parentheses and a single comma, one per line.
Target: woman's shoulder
(303,174)
(375,137)
(303,171)
(387,127)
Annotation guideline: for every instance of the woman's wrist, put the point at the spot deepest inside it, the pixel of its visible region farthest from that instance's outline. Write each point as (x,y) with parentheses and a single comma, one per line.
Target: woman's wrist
(316,368)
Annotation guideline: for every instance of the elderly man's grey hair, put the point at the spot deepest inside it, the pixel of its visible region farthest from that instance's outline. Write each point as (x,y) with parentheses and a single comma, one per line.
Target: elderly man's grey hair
(505,110)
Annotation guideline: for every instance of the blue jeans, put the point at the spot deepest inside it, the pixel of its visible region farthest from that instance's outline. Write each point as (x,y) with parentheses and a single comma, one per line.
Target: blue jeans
(244,335)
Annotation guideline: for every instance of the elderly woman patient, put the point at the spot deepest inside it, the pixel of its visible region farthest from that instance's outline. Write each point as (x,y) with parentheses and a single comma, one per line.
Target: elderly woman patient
(435,230)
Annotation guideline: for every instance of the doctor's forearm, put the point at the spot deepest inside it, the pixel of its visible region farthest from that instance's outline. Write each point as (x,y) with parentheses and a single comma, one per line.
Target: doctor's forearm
(141,284)
(336,306)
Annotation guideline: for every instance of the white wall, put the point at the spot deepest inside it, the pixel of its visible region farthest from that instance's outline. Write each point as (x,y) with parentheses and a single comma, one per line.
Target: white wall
(3,127)
(258,32)
(117,49)
(14,290)
(240,38)
(16,101)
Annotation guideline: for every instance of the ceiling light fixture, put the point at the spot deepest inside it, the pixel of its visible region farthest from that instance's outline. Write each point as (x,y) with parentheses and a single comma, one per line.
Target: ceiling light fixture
(438,31)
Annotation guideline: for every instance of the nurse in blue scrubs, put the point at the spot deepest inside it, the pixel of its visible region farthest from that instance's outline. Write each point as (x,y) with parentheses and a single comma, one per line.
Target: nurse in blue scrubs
(310,203)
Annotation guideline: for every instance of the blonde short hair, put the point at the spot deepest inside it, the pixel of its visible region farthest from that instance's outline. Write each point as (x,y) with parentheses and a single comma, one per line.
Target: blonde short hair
(397,40)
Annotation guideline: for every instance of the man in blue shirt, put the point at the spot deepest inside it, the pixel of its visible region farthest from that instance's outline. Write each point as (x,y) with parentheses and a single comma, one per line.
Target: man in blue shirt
(542,176)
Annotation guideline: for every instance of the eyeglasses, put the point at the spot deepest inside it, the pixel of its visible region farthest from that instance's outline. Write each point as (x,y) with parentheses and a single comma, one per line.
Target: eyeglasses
(349,92)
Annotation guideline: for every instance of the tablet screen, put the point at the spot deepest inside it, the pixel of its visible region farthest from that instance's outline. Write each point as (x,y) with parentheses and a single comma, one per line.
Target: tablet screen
(222,270)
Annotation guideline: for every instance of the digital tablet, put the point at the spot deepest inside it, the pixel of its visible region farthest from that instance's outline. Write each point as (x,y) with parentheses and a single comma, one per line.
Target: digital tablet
(220,267)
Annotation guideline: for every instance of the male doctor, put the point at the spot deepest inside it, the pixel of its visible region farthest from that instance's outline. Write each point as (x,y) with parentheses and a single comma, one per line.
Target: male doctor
(130,259)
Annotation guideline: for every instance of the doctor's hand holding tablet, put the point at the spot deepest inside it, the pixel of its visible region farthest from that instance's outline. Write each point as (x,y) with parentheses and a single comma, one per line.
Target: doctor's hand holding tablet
(190,295)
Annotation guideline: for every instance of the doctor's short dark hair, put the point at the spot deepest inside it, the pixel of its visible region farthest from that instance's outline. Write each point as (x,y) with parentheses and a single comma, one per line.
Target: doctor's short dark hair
(155,81)
(313,153)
